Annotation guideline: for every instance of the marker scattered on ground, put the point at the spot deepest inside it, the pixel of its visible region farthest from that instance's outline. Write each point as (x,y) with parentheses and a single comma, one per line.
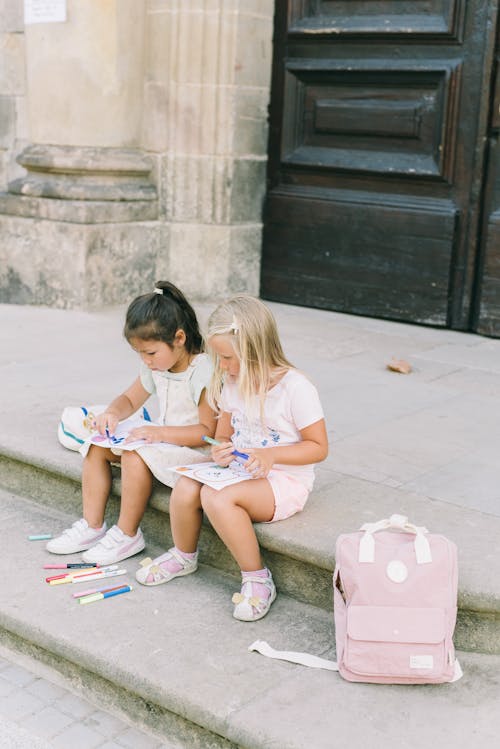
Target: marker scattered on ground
(101,596)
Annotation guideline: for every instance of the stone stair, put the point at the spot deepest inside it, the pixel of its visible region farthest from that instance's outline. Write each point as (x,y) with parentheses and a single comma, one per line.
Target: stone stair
(175,659)
(172,657)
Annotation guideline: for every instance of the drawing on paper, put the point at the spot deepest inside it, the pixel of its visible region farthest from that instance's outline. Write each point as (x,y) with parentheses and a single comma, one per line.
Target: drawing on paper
(121,433)
(214,475)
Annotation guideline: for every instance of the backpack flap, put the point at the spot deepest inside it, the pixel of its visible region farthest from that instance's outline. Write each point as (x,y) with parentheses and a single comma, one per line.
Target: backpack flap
(391,644)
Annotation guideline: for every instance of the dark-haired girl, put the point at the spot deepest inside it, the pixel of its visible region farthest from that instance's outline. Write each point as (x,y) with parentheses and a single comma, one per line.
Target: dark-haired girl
(163,329)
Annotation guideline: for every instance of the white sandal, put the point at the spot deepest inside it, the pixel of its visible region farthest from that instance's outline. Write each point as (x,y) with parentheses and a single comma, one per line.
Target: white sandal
(161,575)
(252,608)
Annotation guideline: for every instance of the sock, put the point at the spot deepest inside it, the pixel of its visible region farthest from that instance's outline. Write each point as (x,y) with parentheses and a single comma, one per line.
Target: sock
(169,563)
(255,589)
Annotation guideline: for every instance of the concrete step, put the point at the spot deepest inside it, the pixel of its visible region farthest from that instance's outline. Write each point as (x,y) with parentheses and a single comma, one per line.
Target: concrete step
(300,551)
(175,659)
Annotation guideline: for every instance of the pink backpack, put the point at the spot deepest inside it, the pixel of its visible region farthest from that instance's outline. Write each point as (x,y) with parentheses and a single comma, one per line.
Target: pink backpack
(395,606)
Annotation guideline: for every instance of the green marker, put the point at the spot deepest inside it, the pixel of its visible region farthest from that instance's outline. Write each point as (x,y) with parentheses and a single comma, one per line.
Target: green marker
(211,441)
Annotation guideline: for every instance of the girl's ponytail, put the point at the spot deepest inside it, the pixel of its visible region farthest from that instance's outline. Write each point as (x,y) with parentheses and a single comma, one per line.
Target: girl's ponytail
(190,326)
(159,315)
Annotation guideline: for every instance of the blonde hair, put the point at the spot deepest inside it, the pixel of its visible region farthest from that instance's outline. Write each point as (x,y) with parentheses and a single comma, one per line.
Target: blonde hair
(253,334)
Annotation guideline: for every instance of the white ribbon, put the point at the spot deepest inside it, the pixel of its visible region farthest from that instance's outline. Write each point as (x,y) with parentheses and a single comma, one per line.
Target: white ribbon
(303,659)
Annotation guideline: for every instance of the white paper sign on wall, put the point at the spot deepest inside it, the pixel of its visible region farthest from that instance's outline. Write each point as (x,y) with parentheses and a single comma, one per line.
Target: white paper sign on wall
(44,11)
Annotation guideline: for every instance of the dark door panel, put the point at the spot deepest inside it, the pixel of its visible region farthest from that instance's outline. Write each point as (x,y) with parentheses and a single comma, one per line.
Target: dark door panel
(376,155)
(362,116)
(437,18)
(487,313)
(382,260)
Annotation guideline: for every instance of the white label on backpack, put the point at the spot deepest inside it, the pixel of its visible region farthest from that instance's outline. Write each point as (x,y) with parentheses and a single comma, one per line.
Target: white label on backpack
(421,661)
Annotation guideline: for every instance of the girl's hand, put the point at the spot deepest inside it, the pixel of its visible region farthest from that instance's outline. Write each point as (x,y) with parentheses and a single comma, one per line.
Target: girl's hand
(148,434)
(222,454)
(260,462)
(107,420)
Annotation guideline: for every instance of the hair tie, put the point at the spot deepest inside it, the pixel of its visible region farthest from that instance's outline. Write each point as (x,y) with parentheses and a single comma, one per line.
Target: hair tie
(234,326)
(158,291)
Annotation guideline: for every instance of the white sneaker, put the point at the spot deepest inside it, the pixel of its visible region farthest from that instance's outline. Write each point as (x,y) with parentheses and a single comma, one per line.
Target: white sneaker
(77,538)
(114,547)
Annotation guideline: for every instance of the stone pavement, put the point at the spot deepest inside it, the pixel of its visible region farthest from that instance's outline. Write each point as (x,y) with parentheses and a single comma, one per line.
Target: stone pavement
(38,712)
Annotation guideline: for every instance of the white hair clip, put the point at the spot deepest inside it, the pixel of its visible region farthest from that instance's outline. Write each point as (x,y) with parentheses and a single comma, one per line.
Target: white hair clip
(234,326)
(158,291)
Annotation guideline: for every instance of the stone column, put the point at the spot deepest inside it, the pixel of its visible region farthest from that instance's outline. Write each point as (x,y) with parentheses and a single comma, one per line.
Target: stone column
(207,78)
(85,172)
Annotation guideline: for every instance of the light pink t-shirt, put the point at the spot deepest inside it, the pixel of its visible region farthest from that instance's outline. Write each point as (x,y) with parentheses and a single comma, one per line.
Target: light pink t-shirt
(290,406)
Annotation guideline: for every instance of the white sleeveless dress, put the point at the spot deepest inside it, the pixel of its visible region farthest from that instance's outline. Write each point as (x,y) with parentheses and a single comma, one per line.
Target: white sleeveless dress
(177,408)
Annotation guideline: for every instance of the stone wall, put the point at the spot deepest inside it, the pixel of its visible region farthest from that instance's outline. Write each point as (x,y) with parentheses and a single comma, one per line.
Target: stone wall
(144,149)
(13,118)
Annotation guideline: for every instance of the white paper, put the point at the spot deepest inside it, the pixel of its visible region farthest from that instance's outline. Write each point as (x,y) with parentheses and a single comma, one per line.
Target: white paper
(213,475)
(44,11)
(117,439)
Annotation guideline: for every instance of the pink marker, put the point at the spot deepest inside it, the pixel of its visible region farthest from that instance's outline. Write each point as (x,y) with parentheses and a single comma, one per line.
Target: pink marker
(101,589)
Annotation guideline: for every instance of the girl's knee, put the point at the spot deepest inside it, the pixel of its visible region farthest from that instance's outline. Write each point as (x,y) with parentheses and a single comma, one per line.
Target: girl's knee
(134,466)
(97,455)
(186,492)
(131,458)
(212,501)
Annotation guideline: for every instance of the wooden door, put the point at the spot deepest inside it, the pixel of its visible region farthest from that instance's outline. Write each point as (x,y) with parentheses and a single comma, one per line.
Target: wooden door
(487,309)
(378,115)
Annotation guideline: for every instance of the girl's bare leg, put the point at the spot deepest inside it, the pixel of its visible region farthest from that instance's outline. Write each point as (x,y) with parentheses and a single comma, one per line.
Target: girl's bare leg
(232,511)
(137,483)
(96,484)
(185,520)
(186,514)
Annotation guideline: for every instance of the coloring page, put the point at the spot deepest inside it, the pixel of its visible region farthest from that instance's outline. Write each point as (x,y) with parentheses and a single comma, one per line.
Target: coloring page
(121,433)
(213,475)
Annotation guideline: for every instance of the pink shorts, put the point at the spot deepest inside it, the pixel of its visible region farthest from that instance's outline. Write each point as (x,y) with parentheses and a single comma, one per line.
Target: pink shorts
(290,494)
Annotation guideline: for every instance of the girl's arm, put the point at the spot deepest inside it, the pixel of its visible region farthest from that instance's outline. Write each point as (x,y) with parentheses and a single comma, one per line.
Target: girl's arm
(190,435)
(313,448)
(122,406)
(222,454)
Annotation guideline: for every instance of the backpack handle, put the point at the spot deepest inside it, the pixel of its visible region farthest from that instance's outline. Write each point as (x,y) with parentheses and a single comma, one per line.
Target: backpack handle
(395,522)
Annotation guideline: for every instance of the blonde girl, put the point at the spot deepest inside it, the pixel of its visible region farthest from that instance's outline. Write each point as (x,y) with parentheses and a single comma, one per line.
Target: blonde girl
(162,328)
(269,410)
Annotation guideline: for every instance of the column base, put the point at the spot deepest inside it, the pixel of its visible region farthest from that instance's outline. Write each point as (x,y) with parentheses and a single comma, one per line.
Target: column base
(84,173)
(75,266)
(78,211)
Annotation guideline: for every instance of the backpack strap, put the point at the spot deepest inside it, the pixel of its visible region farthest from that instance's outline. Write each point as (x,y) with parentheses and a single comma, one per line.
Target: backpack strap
(303,659)
(395,522)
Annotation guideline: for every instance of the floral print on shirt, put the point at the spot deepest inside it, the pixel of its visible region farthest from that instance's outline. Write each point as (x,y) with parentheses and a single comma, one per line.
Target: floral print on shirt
(252,433)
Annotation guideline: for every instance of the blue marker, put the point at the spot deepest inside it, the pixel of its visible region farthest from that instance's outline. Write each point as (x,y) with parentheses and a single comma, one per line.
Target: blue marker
(105,594)
(114,440)
(211,441)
